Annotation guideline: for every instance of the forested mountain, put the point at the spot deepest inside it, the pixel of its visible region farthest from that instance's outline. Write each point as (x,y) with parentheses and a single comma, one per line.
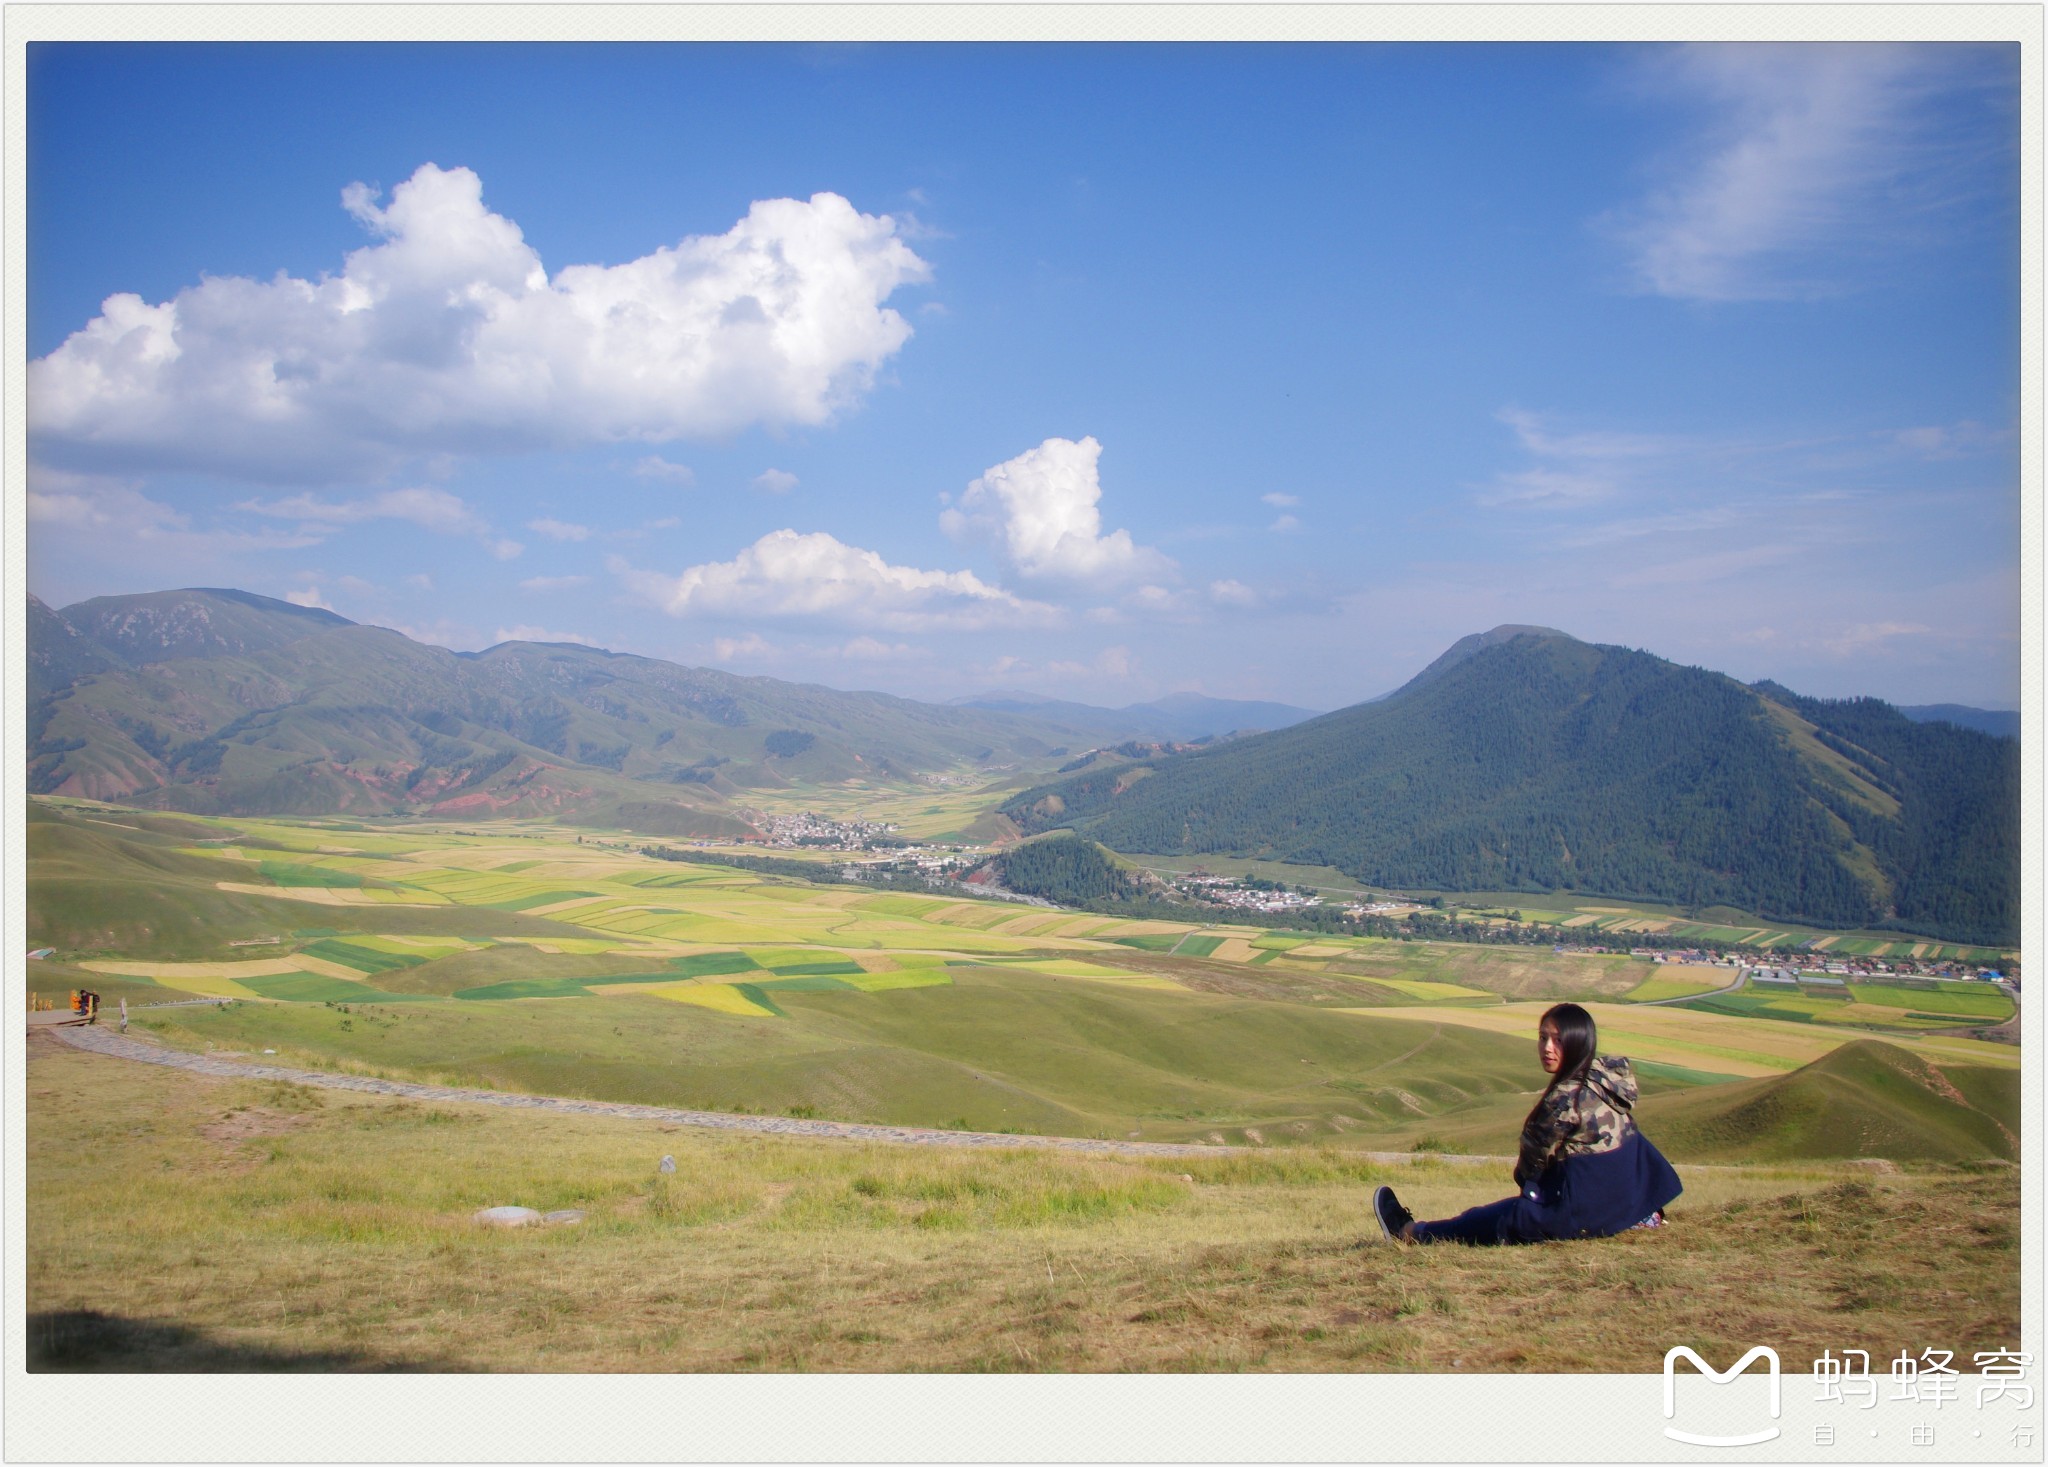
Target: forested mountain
(211,700)
(1529,761)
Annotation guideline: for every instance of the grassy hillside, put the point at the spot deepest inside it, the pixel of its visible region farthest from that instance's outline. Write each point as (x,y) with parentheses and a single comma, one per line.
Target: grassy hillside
(180,1223)
(1867,1099)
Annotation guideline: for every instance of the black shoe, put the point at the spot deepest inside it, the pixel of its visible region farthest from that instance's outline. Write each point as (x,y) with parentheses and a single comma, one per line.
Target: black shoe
(1392,1215)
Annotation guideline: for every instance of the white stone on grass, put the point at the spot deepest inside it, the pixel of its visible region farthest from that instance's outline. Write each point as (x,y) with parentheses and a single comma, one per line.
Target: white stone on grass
(507,1217)
(668,1164)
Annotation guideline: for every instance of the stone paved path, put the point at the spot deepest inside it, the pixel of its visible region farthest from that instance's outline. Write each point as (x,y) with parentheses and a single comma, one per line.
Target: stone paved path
(104,1041)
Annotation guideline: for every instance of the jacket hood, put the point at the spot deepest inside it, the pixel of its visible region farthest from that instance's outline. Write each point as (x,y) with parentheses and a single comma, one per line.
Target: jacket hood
(1610,1075)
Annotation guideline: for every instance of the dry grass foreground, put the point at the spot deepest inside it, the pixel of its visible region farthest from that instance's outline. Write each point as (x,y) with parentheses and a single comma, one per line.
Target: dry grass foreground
(178,1222)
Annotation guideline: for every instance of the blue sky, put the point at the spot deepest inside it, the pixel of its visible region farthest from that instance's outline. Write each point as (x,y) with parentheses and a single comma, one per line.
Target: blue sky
(1096,371)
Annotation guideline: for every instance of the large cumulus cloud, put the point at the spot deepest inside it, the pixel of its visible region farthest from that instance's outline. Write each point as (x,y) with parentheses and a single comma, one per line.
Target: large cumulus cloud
(448,335)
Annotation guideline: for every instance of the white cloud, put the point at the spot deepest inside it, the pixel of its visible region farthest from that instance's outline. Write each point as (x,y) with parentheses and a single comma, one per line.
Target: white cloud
(1954,441)
(505,549)
(552,583)
(752,646)
(430,509)
(786,574)
(775,481)
(558,530)
(420,582)
(1233,593)
(1813,156)
(110,511)
(869,649)
(447,335)
(1041,508)
(1572,468)
(1279,500)
(1285,524)
(659,469)
(308,596)
(538,634)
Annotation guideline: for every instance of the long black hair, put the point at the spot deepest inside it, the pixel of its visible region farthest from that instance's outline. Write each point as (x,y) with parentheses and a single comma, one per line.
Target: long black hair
(1578,1038)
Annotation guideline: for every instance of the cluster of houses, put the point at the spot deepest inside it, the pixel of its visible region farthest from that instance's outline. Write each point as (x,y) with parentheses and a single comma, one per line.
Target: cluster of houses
(1229,891)
(824,833)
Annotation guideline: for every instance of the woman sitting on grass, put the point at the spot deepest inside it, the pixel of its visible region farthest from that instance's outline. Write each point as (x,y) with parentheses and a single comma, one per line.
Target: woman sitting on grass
(1585,1171)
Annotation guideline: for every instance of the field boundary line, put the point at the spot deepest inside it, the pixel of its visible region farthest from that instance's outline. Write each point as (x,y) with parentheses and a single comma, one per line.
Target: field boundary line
(116,1046)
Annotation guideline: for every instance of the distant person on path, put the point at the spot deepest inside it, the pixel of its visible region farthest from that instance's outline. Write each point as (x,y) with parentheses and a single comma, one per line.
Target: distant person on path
(1584,1171)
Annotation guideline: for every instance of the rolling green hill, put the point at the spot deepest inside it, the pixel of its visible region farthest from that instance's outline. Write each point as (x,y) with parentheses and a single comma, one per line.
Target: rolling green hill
(1526,761)
(224,702)
(1867,1099)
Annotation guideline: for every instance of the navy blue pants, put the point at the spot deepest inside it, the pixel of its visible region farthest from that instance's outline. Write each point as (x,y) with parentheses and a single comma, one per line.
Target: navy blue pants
(1491,1222)
(1592,1196)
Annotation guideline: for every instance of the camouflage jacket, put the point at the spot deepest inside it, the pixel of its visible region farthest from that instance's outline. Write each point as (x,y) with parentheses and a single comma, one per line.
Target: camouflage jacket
(1578,1118)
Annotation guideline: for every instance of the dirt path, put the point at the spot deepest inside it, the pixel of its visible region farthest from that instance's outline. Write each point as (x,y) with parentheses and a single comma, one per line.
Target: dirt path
(116,1046)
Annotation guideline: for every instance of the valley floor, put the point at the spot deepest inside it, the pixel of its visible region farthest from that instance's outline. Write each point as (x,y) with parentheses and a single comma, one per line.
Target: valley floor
(184,1222)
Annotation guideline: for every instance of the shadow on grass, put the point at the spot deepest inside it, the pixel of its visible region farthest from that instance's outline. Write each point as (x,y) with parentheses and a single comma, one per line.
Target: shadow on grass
(87,1340)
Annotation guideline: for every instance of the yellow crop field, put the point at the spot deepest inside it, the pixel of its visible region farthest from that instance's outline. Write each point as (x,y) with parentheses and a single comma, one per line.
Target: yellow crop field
(328,896)
(1422,988)
(720,997)
(182,974)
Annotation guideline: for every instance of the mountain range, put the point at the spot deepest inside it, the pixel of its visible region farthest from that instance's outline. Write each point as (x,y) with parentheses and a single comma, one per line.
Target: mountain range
(222,701)
(1526,760)
(1521,759)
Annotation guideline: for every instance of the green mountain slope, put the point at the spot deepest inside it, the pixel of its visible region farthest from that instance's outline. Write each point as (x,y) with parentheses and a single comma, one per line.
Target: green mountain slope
(1525,760)
(1866,1099)
(224,702)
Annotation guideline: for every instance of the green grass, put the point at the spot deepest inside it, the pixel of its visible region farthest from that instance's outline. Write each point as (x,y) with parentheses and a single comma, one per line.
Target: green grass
(1153,942)
(176,1222)
(361,956)
(291,873)
(704,965)
(318,988)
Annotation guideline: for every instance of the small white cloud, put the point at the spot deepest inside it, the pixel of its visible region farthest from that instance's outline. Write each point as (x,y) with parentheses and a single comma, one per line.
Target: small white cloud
(660,470)
(308,596)
(539,634)
(1233,593)
(786,574)
(1042,510)
(753,647)
(775,481)
(1954,441)
(666,522)
(1280,501)
(420,582)
(430,509)
(552,583)
(869,649)
(559,530)
(1285,524)
(505,549)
